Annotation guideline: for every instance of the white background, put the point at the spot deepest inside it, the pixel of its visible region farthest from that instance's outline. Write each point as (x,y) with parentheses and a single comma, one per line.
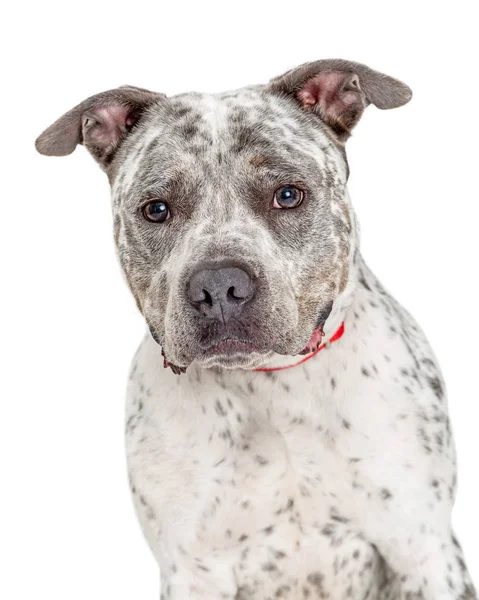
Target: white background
(69,326)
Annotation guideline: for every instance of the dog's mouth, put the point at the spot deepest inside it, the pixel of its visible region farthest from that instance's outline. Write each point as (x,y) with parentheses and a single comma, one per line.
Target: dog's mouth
(235,339)
(315,341)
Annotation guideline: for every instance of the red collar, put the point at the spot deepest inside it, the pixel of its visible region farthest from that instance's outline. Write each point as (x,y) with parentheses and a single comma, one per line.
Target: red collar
(335,337)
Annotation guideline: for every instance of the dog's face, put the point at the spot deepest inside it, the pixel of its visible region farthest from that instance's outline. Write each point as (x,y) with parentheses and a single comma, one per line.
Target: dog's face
(229,274)
(231,215)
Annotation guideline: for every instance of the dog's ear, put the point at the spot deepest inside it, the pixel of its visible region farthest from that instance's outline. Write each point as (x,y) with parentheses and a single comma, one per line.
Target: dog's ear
(338,91)
(100,123)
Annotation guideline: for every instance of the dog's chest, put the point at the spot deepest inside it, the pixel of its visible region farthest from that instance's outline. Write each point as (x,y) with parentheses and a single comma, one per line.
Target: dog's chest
(276,505)
(264,489)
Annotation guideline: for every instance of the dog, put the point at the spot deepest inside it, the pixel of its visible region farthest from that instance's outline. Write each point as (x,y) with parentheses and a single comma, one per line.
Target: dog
(297,443)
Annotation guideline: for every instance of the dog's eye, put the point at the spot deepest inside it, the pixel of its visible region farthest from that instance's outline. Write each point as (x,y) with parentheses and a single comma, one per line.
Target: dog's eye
(156,211)
(287,196)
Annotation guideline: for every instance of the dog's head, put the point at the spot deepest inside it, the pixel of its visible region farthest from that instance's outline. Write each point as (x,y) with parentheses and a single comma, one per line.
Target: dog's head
(232,219)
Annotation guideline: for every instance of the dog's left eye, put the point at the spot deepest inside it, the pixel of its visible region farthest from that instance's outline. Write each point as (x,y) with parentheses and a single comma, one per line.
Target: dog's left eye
(287,196)
(156,211)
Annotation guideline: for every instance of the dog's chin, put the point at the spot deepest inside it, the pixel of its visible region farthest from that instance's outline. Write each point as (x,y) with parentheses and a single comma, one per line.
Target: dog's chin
(233,354)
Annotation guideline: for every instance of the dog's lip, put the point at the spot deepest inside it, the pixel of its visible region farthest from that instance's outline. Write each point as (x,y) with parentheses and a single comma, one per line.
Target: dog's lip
(230,346)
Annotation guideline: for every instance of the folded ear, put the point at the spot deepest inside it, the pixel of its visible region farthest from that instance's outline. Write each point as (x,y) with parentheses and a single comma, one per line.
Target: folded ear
(339,90)
(100,123)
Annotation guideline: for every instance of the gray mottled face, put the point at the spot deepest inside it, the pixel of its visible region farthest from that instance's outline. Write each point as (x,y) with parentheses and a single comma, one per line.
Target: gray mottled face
(216,161)
(231,215)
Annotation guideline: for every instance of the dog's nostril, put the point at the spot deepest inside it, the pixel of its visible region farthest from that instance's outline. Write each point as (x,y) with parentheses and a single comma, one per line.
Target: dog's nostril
(207,298)
(231,294)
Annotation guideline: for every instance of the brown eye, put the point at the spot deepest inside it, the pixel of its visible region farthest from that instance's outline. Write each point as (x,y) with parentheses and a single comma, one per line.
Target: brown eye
(156,211)
(287,196)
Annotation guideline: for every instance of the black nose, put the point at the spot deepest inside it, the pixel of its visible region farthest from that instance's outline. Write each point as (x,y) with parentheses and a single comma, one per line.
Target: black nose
(220,293)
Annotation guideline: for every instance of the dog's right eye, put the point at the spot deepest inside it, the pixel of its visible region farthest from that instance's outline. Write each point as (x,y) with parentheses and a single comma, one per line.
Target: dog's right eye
(288,196)
(156,211)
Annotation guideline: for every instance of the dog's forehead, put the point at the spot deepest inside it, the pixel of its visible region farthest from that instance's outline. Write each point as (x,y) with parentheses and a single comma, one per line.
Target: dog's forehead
(207,135)
(221,117)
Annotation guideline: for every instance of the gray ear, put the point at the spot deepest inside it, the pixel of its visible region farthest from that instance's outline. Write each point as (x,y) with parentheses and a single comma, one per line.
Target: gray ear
(339,90)
(100,123)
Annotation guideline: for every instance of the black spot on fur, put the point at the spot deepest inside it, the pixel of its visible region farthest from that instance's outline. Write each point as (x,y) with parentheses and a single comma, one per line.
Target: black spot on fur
(436,387)
(269,530)
(385,494)
(189,131)
(364,283)
(220,409)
